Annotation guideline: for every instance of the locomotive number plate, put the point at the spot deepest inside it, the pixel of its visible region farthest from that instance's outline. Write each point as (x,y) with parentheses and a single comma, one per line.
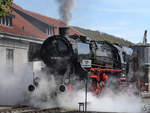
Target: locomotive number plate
(86,63)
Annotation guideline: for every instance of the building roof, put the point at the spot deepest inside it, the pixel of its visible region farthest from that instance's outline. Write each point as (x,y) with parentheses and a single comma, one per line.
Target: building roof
(21,26)
(45,19)
(26,27)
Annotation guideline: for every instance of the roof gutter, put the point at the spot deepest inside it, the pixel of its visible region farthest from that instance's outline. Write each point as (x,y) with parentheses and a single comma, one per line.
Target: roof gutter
(21,38)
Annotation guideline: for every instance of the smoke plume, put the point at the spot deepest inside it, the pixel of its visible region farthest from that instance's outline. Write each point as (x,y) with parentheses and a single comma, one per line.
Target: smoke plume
(65,9)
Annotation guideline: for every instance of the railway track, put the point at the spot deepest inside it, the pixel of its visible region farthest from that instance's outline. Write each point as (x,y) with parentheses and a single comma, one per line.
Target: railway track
(36,110)
(31,110)
(16,109)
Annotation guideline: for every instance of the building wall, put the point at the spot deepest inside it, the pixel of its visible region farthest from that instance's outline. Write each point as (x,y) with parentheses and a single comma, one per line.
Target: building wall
(20,52)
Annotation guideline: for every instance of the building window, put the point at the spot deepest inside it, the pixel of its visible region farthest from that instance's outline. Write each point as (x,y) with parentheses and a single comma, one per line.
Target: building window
(10,58)
(47,31)
(50,31)
(6,21)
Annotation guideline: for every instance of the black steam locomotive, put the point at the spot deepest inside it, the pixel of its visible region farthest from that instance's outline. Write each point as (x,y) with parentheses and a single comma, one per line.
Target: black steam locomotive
(68,56)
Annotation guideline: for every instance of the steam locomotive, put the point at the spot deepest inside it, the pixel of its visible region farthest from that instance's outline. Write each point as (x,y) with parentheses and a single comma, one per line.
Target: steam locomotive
(73,56)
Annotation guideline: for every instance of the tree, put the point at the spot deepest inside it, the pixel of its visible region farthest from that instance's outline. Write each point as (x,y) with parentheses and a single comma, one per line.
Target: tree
(5,7)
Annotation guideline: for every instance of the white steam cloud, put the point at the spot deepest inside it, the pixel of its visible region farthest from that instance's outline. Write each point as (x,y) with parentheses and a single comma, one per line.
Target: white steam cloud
(108,101)
(13,85)
(43,96)
(13,91)
(65,9)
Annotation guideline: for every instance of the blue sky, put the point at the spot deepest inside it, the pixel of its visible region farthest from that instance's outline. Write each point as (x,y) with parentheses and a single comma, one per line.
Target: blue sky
(124,18)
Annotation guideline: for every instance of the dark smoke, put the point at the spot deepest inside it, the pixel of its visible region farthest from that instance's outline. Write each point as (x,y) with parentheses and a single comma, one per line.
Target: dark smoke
(65,9)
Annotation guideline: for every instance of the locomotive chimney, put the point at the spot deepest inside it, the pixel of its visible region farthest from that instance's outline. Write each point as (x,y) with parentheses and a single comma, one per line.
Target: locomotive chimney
(64,31)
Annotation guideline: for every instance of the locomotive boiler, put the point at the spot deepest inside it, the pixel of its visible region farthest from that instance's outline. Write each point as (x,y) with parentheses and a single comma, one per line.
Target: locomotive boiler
(73,56)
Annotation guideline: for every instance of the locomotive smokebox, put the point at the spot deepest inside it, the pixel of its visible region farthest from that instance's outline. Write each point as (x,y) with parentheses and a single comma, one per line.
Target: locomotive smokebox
(64,31)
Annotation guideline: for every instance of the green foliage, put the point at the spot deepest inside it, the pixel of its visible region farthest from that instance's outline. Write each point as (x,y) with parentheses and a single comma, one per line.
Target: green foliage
(5,7)
(99,36)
